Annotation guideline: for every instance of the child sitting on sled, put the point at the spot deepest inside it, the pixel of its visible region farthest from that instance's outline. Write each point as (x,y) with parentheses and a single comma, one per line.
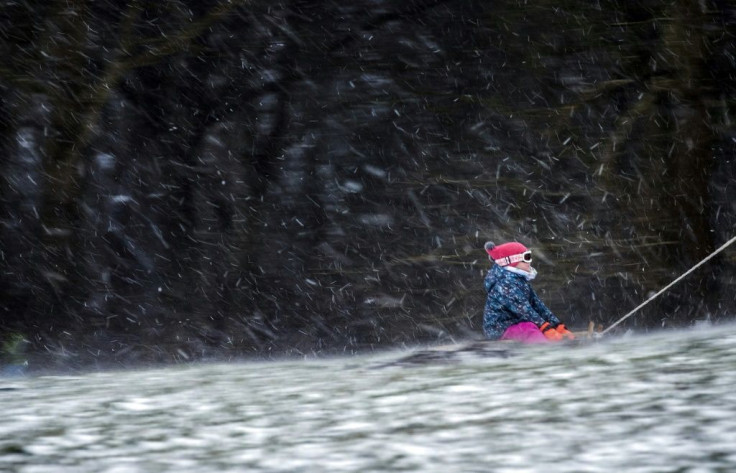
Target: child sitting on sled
(513,311)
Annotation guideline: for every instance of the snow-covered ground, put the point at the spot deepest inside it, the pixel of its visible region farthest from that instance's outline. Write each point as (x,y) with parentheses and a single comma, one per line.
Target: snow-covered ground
(662,402)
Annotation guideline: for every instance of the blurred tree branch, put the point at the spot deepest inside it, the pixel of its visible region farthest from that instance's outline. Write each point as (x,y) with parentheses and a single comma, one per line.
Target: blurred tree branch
(659,159)
(73,61)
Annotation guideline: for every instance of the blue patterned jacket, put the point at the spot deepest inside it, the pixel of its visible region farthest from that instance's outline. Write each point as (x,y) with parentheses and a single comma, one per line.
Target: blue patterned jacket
(511,300)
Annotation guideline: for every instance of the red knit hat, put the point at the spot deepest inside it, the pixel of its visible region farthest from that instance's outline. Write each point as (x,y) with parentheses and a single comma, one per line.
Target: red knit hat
(508,254)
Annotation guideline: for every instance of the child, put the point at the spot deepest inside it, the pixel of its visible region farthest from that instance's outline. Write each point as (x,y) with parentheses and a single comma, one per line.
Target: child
(513,311)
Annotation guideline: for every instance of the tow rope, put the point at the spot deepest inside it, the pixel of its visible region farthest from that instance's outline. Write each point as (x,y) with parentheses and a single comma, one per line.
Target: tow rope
(707,258)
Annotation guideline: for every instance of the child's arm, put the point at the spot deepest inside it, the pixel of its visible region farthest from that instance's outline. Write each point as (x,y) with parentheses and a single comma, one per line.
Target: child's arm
(519,303)
(542,309)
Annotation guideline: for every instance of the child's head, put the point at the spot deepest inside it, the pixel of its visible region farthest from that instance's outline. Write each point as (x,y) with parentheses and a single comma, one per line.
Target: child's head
(510,254)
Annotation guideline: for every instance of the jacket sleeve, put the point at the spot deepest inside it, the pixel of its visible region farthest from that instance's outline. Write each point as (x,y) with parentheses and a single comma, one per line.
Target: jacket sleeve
(542,309)
(519,302)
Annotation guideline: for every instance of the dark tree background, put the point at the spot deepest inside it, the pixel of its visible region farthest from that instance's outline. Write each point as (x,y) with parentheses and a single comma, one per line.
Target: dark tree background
(186,180)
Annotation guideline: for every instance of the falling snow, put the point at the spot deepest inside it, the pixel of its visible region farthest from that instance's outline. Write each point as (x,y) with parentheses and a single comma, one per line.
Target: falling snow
(257,178)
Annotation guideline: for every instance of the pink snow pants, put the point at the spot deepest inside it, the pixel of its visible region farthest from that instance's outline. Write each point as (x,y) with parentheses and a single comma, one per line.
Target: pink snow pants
(524,332)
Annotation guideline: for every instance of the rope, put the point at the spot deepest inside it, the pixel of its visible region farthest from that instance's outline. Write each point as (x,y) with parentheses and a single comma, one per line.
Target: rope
(707,258)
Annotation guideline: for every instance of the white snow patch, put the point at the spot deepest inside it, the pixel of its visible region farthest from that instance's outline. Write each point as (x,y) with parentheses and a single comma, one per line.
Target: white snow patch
(105,160)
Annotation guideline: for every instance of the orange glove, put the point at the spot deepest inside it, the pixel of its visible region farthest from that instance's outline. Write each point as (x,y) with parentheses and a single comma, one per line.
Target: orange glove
(565,333)
(550,332)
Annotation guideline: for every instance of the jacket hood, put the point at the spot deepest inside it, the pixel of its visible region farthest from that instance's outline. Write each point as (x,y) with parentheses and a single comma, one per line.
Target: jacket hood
(498,273)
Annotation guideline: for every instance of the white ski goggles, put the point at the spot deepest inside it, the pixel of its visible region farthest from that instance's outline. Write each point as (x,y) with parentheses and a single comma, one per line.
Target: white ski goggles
(526,257)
